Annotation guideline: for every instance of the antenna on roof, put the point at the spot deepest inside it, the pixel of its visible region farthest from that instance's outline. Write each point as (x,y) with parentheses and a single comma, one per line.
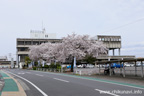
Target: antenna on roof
(43,29)
(42,24)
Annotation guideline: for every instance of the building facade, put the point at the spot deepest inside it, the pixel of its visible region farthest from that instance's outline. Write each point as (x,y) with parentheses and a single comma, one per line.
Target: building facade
(3,58)
(23,45)
(111,42)
(36,38)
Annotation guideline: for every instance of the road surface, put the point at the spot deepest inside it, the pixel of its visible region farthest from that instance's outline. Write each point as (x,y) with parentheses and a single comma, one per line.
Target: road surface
(36,83)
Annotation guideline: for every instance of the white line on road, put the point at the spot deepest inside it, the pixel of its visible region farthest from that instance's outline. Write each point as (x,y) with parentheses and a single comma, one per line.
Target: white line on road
(20,73)
(27,72)
(106,92)
(44,94)
(61,80)
(39,75)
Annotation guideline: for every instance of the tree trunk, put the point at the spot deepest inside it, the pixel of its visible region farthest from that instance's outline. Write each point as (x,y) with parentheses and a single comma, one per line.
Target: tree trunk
(72,65)
(27,64)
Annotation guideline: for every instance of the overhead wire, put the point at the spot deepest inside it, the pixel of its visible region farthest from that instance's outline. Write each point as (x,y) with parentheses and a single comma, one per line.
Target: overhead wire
(138,20)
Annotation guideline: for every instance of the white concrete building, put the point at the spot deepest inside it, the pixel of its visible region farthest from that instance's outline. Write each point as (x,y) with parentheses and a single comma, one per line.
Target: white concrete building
(3,58)
(42,34)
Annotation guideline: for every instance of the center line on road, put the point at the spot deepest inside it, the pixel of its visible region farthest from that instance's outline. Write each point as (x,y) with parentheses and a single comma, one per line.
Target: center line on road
(106,92)
(39,75)
(61,80)
(44,94)
(27,72)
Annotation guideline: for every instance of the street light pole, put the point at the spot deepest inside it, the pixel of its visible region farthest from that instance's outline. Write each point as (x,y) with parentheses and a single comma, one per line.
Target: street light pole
(74,62)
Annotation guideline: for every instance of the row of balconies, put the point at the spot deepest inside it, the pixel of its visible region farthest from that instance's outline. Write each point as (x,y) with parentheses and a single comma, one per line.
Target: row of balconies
(23,52)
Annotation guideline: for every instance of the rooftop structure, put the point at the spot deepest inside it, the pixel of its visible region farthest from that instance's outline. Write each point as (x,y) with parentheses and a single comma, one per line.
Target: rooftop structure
(111,42)
(42,34)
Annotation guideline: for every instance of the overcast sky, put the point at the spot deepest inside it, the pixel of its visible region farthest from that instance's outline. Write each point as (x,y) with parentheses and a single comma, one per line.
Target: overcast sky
(92,17)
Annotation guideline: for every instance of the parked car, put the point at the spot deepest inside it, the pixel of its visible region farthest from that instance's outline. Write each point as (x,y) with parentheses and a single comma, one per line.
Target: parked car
(138,64)
(99,66)
(132,65)
(90,66)
(69,66)
(115,65)
(127,65)
(80,66)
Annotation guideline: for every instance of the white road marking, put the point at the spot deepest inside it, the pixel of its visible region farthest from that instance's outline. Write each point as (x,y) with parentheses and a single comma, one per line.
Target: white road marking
(106,92)
(44,94)
(61,80)
(39,75)
(27,72)
(20,73)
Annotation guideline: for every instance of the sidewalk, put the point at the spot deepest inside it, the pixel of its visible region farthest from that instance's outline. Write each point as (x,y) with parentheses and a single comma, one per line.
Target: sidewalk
(11,86)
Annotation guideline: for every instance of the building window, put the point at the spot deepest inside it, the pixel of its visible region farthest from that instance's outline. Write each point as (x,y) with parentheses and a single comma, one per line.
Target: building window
(99,39)
(46,35)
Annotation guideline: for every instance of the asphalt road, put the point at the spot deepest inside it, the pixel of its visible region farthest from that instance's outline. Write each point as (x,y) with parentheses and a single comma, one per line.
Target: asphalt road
(36,83)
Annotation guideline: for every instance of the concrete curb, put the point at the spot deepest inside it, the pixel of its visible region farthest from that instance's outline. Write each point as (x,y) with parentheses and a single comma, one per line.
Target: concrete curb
(1,84)
(21,91)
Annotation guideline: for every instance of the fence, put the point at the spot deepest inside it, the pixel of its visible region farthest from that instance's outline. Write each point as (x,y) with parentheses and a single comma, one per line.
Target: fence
(52,70)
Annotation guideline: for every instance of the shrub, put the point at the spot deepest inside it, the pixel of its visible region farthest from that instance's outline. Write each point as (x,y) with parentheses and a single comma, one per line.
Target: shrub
(52,65)
(46,66)
(34,68)
(58,66)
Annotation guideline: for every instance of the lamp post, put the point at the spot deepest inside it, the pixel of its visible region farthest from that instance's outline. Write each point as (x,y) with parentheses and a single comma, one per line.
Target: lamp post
(74,62)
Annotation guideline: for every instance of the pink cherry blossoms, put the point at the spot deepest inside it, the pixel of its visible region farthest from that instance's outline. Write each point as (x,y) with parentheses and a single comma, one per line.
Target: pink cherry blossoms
(72,45)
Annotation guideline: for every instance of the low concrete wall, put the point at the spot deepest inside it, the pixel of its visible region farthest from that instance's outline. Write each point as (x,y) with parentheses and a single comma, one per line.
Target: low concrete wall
(86,71)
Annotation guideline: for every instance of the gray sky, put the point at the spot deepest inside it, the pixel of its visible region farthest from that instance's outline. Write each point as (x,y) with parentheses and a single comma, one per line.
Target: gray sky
(92,17)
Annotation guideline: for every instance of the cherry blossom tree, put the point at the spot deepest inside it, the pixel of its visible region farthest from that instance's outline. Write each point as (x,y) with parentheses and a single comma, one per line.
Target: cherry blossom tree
(34,53)
(80,45)
(42,52)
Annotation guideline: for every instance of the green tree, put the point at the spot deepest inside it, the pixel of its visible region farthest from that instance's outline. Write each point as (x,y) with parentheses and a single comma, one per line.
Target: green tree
(89,59)
(58,66)
(27,60)
(35,63)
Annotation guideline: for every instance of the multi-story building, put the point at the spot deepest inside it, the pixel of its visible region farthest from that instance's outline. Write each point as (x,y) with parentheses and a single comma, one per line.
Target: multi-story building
(112,43)
(4,63)
(23,45)
(3,58)
(38,37)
